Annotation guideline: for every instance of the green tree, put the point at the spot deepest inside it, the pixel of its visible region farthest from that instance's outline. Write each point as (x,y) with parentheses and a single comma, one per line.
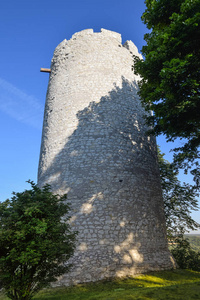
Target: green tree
(185,257)
(179,200)
(35,241)
(170,76)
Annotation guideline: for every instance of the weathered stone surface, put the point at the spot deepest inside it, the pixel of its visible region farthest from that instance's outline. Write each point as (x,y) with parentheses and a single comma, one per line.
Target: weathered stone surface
(95,148)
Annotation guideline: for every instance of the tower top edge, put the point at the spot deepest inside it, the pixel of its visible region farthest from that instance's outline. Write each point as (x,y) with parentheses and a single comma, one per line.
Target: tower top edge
(129,45)
(103,32)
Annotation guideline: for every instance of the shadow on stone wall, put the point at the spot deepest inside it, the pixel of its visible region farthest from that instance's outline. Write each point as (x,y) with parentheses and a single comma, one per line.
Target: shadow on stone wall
(108,168)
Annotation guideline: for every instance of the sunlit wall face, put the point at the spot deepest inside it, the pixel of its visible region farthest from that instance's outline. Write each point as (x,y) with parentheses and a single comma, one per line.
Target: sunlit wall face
(95,149)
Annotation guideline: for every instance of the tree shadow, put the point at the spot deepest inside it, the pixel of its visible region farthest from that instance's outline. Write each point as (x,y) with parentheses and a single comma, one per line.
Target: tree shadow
(108,168)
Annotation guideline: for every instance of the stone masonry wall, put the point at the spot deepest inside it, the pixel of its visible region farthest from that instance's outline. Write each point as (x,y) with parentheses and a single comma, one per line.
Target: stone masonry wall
(95,148)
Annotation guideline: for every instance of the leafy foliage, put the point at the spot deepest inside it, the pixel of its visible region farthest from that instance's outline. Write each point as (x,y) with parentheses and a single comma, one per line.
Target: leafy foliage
(194,240)
(185,257)
(170,76)
(35,241)
(179,200)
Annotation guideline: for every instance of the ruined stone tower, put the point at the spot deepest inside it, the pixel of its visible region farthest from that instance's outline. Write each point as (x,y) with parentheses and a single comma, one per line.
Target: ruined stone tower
(95,149)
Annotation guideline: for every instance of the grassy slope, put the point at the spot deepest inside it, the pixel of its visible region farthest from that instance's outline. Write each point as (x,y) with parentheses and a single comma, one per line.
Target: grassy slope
(166,285)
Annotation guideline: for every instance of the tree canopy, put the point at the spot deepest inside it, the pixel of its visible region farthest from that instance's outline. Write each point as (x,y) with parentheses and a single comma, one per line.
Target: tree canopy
(170,75)
(180,199)
(35,241)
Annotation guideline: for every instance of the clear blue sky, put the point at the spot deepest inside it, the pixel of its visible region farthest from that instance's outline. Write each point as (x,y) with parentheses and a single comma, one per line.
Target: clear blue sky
(29,33)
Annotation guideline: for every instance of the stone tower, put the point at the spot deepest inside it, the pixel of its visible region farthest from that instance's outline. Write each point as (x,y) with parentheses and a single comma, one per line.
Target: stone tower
(95,149)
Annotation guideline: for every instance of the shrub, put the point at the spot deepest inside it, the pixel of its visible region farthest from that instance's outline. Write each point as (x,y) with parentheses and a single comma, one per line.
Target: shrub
(35,241)
(185,257)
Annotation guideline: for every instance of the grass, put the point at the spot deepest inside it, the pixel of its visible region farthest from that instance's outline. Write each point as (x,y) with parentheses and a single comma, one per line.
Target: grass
(166,285)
